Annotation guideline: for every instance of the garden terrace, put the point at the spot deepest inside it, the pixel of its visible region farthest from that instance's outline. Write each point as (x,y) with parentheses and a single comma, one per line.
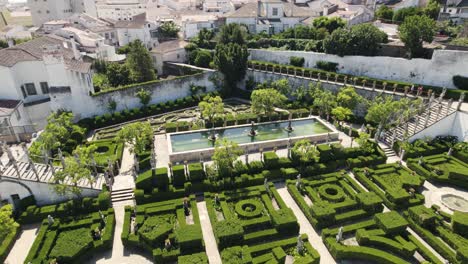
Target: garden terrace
(357,81)
(7,242)
(447,234)
(398,186)
(71,239)
(422,147)
(165,231)
(333,199)
(442,169)
(383,239)
(107,150)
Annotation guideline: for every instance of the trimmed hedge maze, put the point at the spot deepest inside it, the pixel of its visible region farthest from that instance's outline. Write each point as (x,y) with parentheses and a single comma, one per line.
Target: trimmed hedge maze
(7,242)
(442,169)
(72,240)
(383,239)
(396,185)
(164,230)
(333,199)
(254,225)
(446,234)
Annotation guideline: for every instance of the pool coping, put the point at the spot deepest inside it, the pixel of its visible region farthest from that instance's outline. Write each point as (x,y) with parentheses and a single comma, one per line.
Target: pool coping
(206,153)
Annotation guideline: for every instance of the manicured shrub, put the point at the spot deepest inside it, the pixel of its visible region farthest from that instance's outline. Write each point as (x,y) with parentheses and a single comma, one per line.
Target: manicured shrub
(255,167)
(161,179)
(327,66)
(423,216)
(196,172)
(178,175)
(228,233)
(198,258)
(460,82)
(370,201)
(323,211)
(145,181)
(71,244)
(391,223)
(296,61)
(271,160)
(189,238)
(104,199)
(325,153)
(460,223)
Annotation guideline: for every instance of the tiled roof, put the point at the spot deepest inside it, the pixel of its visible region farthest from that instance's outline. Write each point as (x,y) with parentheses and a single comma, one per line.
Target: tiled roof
(137,21)
(289,9)
(33,50)
(7,106)
(169,46)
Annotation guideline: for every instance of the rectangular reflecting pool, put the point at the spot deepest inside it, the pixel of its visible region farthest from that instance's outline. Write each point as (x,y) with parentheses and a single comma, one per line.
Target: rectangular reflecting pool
(190,141)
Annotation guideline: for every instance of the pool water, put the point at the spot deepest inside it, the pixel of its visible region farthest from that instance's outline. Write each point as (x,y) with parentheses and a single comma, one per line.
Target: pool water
(240,135)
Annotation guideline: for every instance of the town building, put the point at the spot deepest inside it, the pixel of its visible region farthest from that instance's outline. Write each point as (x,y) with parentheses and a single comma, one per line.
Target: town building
(169,51)
(44,11)
(455,10)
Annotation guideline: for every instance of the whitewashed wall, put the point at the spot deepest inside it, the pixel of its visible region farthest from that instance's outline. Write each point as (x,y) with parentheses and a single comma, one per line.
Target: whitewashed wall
(163,91)
(437,71)
(42,192)
(454,125)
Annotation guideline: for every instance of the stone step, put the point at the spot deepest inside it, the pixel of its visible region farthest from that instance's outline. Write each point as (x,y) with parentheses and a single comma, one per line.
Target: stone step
(121,199)
(127,190)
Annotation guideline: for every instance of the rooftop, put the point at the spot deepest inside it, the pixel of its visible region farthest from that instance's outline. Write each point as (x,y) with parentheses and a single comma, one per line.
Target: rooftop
(169,46)
(289,9)
(8,106)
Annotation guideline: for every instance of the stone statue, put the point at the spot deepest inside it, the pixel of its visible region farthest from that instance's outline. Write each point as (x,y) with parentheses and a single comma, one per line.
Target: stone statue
(267,187)
(77,158)
(216,199)
(299,182)
(449,153)
(421,161)
(300,245)
(402,155)
(186,207)
(339,236)
(50,219)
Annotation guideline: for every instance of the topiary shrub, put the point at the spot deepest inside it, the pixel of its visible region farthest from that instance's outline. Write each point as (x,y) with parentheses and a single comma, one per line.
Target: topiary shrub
(189,238)
(423,216)
(161,179)
(228,233)
(271,160)
(332,193)
(196,172)
(392,223)
(178,175)
(370,201)
(249,208)
(460,82)
(323,211)
(296,61)
(327,66)
(145,181)
(460,223)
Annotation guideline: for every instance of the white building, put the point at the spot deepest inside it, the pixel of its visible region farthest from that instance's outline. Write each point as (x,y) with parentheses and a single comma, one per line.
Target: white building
(271,16)
(136,28)
(191,23)
(35,71)
(173,51)
(120,9)
(43,11)
(455,10)
(218,6)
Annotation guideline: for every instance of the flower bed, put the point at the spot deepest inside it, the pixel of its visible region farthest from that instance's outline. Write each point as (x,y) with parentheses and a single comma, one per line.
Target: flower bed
(165,231)
(442,169)
(396,185)
(347,201)
(70,239)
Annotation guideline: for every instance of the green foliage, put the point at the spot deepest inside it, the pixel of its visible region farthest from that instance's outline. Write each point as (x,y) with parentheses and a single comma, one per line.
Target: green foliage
(391,223)
(156,228)
(7,223)
(341,113)
(362,39)
(138,135)
(331,24)
(271,160)
(460,223)
(196,172)
(178,175)
(414,31)
(140,63)
(265,100)
(203,59)
(233,255)
(145,181)
(190,238)
(423,216)
(231,60)
(100,82)
(224,155)
(304,152)
(204,37)
(211,107)
(370,201)
(199,258)
(432,9)
(144,96)
(327,66)
(66,180)
(384,12)
(117,75)
(228,233)
(365,144)
(348,97)
(400,15)
(161,178)
(71,244)
(296,61)
(168,30)
(232,33)
(324,100)
(460,82)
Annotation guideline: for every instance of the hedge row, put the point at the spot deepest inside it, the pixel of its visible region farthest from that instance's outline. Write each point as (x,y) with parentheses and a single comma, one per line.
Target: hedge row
(34,214)
(71,242)
(425,148)
(7,243)
(137,113)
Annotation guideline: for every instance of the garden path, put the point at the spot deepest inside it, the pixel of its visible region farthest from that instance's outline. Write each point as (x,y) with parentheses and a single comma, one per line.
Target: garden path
(161,149)
(208,235)
(23,244)
(305,227)
(433,194)
(120,254)
(125,179)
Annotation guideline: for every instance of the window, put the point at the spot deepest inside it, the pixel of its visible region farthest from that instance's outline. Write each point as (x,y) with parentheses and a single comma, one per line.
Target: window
(275,11)
(23,91)
(30,89)
(44,87)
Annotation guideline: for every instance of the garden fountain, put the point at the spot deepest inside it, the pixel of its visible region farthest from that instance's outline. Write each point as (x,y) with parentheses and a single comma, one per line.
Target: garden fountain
(455,202)
(289,128)
(252,131)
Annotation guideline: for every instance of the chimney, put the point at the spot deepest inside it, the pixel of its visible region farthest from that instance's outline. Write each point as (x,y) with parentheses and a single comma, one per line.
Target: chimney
(76,53)
(259,8)
(325,10)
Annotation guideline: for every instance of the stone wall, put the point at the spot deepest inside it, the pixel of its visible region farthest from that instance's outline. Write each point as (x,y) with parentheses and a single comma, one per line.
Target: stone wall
(162,91)
(453,125)
(437,71)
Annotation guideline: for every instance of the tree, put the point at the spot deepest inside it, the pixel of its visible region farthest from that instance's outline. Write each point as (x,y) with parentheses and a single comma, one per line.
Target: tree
(211,107)
(144,96)
(265,100)
(84,152)
(66,180)
(232,33)
(225,153)
(204,37)
(304,153)
(348,98)
(3,44)
(432,9)
(203,59)
(111,105)
(331,24)
(365,144)
(385,112)
(118,74)
(281,85)
(341,113)
(384,12)
(414,31)
(401,14)
(140,63)
(168,30)
(231,60)
(7,222)
(324,101)
(338,42)
(138,135)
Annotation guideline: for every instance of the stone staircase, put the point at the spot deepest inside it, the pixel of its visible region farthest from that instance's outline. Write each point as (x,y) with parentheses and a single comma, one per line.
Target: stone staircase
(122,195)
(388,151)
(431,116)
